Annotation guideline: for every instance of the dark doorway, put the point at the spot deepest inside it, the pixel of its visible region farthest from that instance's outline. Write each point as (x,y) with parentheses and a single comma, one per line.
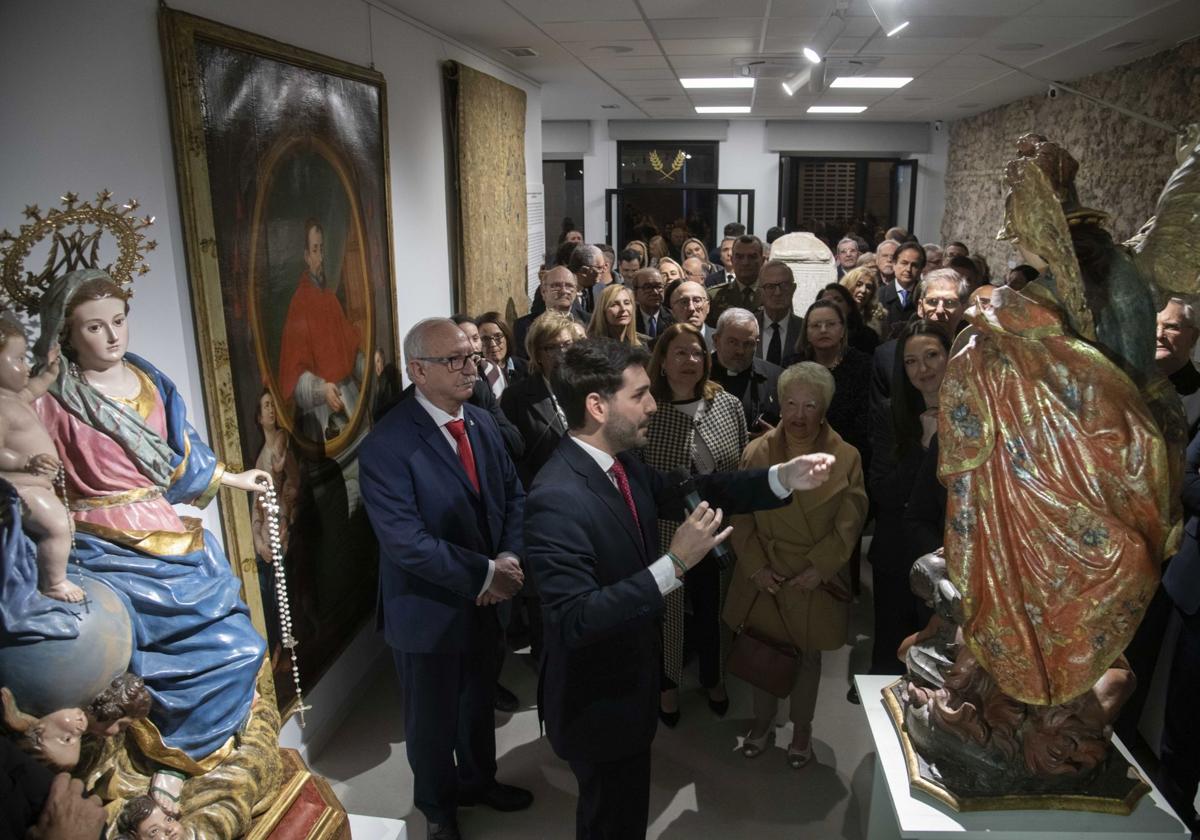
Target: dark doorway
(663,185)
(562,183)
(830,196)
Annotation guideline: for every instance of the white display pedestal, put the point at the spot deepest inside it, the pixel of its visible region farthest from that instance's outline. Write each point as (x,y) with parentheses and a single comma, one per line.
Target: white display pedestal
(376,828)
(897,812)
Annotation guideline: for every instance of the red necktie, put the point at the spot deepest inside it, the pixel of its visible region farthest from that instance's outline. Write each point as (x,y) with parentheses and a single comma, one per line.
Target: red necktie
(458,431)
(618,472)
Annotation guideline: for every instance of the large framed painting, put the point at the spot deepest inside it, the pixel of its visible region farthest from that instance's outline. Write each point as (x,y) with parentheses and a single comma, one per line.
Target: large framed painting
(282,161)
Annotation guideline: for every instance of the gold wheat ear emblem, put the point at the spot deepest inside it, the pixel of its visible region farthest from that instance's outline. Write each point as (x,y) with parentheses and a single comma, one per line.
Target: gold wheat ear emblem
(656,164)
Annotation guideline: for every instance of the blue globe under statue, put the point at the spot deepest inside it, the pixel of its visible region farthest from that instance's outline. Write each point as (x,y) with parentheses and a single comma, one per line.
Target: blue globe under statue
(51,674)
(54,655)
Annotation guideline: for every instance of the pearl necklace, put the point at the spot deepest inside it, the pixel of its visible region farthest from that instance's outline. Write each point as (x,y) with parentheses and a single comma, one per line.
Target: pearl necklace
(270,502)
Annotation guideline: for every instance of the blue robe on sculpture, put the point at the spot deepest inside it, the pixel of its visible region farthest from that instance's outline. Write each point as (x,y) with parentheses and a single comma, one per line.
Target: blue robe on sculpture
(127,462)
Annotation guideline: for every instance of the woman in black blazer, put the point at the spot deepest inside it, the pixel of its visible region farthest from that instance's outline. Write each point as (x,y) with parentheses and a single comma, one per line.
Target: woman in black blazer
(904,447)
(500,350)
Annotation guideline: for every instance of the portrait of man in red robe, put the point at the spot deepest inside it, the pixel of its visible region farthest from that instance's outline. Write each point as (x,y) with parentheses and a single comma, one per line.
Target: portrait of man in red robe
(321,362)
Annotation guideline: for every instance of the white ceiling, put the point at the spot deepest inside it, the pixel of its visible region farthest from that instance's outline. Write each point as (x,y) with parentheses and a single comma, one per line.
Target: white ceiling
(631,53)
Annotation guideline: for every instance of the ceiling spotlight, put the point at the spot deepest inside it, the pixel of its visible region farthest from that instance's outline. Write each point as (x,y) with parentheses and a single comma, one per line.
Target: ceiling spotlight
(816,50)
(890,14)
(796,81)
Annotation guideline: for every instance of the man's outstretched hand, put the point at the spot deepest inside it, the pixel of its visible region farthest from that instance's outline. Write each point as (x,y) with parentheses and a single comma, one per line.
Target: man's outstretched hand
(804,472)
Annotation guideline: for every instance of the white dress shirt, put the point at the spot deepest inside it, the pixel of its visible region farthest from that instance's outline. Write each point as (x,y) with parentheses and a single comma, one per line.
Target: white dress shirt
(441,418)
(663,569)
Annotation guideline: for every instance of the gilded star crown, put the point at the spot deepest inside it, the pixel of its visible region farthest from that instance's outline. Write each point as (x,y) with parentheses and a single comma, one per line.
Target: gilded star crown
(75,233)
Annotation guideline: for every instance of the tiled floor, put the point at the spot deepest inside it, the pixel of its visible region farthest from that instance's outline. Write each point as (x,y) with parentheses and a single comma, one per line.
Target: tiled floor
(702,786)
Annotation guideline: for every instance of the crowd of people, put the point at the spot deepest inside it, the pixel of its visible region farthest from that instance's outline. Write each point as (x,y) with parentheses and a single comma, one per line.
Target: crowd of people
(671,366)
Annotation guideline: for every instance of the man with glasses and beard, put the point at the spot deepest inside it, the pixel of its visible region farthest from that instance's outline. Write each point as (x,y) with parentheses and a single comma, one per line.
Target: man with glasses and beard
(446,505)
(601,585)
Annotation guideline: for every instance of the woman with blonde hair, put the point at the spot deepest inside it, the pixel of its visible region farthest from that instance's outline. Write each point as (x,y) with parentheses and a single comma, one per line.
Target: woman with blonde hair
(670,270)
(863,285)
(700,428)
(614,318)
(694,248)
(790,583)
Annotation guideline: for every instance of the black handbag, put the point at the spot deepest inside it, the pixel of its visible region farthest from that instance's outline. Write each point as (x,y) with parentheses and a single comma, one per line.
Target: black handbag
(764,663)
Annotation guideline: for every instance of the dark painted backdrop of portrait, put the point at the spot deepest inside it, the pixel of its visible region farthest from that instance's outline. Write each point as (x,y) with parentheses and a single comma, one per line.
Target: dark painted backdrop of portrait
(297,174)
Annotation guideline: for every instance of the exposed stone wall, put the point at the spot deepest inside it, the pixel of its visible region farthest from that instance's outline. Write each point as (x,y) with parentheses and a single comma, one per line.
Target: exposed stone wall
(1123,163)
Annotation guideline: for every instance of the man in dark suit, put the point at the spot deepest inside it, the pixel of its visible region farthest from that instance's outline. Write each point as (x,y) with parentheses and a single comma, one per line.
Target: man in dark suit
(689,305)
(587,264)
(1179,774)
(723,268)
(592,546)
(652,316)
(558,290)
(752,380)
(778,326)
(446,505)
(898,298)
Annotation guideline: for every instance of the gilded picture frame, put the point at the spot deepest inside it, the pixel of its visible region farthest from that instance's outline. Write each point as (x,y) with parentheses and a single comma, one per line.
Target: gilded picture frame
(282,165)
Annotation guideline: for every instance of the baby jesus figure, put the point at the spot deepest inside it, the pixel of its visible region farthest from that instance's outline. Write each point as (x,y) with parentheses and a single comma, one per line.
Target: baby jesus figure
(28,462)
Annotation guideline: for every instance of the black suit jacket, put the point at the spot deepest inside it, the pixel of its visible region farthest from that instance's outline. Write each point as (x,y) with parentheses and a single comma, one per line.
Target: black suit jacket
(717,278)
(599,686)
(889,299)
(1182,576)
(792,327)
(760,398)
(665,319)
(530,408)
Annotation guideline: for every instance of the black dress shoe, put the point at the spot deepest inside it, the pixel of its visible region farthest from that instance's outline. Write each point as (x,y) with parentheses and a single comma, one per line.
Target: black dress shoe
(719,707)
(669,719)
(852,695)
(506,701)
(443,831)
(499,797)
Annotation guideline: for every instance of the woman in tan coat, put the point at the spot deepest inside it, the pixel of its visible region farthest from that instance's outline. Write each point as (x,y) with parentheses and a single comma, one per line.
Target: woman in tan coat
(791,581)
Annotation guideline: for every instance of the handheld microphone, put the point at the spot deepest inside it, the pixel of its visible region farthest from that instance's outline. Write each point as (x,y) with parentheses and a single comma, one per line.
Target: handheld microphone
(686,488)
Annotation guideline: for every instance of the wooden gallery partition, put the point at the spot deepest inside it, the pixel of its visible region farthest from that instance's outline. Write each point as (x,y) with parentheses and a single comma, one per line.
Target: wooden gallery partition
(485,163)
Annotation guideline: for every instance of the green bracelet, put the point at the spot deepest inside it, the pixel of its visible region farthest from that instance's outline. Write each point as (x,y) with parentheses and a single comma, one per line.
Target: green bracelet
(678,563)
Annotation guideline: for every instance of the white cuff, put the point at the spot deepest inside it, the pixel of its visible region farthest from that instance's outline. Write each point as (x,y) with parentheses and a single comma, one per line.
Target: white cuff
(776,485)
(663,570)
(487,581)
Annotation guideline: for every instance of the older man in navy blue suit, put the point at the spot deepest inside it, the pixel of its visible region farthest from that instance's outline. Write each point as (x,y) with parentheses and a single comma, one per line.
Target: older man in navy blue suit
(602,576)
(446,505)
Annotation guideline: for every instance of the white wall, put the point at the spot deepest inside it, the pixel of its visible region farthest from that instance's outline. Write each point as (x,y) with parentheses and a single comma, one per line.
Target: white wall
(83,107)
(749,159)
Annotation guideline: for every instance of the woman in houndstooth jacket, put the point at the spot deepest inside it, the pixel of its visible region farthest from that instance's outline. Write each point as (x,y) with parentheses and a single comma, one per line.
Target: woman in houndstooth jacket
(701,428)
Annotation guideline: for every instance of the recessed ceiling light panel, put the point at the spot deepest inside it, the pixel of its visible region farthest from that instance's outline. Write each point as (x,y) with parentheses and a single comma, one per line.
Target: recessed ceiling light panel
(836,109)
(722,109)
(890,82)
(733,82)
(520,52)
(612,49)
